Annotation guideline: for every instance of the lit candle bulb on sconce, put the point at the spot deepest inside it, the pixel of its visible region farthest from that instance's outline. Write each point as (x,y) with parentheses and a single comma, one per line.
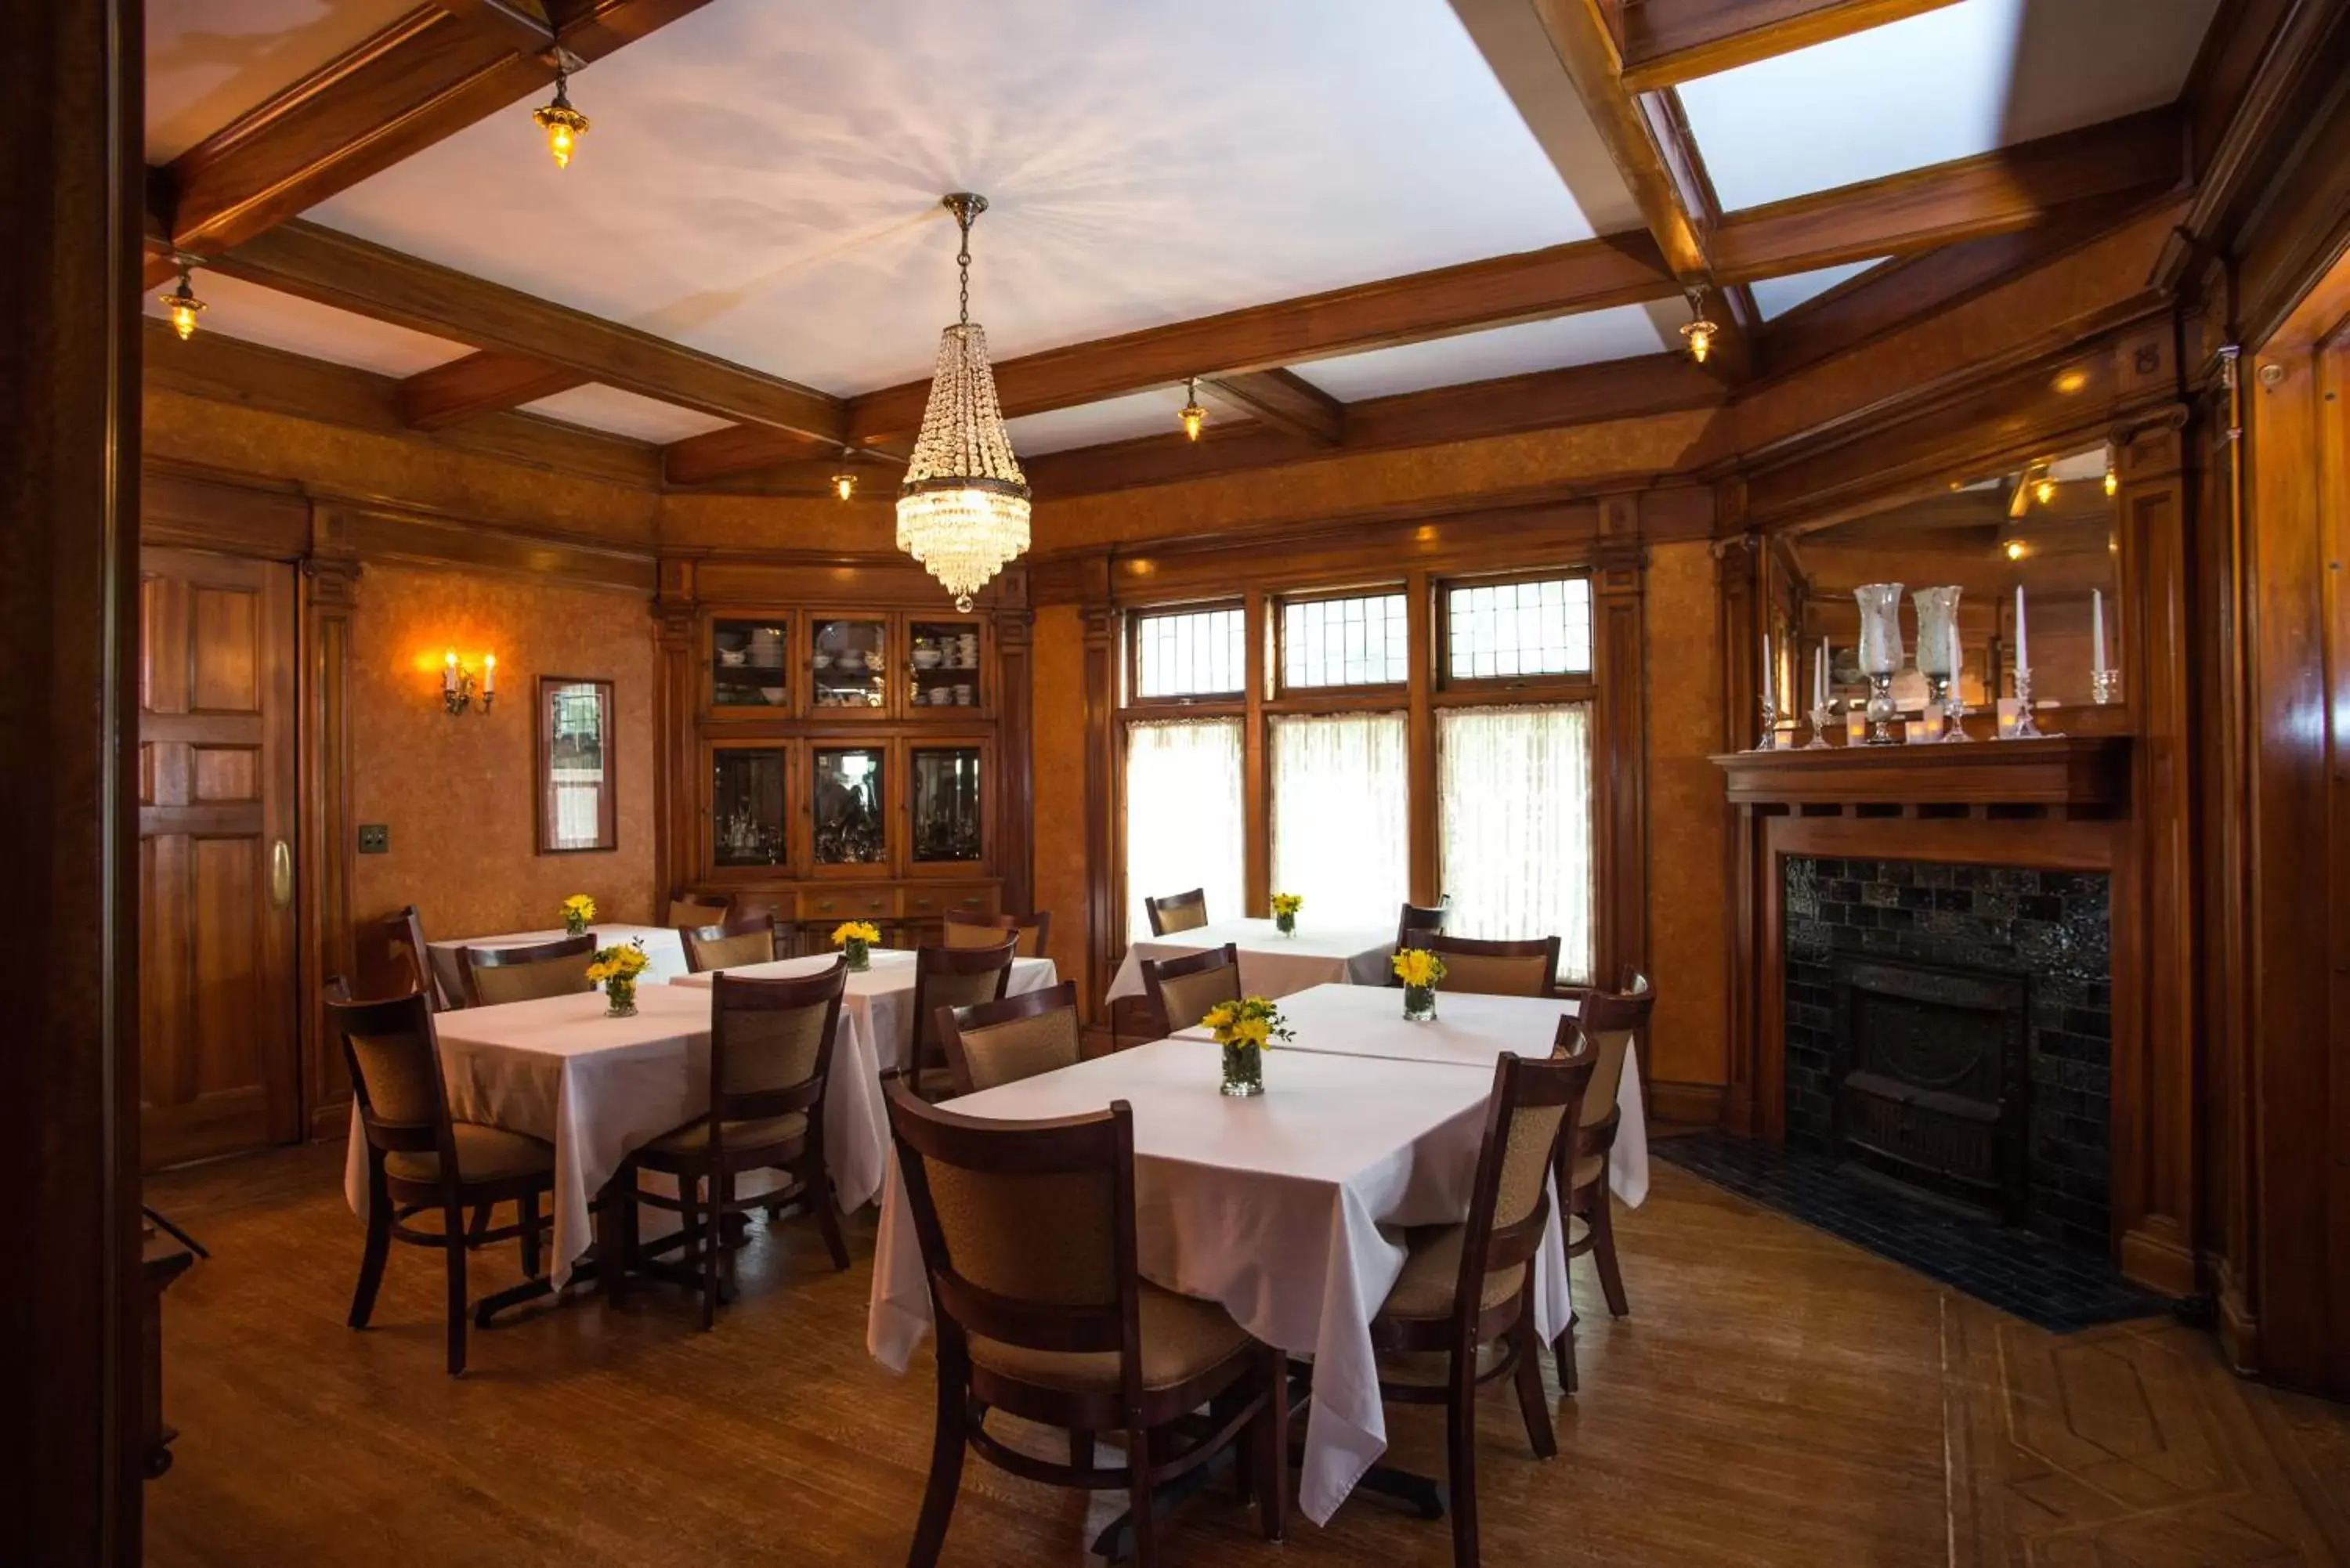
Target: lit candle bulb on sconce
(489,679)
(458,687)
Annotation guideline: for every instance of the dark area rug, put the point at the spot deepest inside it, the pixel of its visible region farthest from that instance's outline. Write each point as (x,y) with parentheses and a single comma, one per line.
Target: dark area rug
(2056,1287)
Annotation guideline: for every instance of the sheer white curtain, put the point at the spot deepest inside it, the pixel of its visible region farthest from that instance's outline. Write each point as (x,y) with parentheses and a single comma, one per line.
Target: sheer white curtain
(1514,821)
(1341,819)
(1184,825)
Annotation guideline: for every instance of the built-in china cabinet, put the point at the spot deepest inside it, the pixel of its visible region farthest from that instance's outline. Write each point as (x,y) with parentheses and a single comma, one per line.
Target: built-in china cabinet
(838,743)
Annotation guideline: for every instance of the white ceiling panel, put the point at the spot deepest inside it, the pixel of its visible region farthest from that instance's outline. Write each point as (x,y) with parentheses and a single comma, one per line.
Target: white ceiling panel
(1775,296)
(762,176)
(1154,412)
(1624,333)
(209,61)
(616,412)
(237,310)
(1948,83)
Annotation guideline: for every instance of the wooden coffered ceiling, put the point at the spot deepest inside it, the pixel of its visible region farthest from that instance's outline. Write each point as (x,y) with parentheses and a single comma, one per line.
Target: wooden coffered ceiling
(1493,209)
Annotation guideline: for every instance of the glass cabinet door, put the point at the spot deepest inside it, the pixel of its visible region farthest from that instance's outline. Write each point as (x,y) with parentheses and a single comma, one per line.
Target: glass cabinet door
(747,817)
(846,662)
(946,803)
(747,659)
(851,828)
(943,660)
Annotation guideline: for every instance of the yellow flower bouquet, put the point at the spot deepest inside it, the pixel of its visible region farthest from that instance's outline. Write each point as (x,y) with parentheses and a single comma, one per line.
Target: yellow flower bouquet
(855,938)
(615,969)
(1419,971)
(1285,913)
(1246,1029)
(577,910)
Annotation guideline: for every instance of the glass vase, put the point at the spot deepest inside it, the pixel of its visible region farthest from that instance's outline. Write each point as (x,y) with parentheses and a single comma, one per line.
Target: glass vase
(1243,1069)
(1419,1003)
(619,998)
(1880,653)
(575,925)
(1285,924)
(858,953)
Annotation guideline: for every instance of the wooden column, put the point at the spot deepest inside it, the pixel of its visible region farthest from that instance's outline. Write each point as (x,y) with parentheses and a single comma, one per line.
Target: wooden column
(1620,641)
(1256,764)
(1105,921)
(1420,737)
(70,118)
(677,780)
(329,593)
(1736,566)
(1015,745)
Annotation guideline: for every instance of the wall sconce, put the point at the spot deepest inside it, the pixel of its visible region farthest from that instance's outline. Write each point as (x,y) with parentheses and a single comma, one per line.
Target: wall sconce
(458,687)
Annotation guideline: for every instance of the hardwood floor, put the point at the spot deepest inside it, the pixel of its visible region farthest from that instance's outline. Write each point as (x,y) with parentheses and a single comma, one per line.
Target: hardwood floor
(1776,1398)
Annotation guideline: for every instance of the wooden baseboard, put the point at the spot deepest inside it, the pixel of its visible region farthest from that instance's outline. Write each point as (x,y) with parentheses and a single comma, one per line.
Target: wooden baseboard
(331,1122)
(2240,1330)
(1698,1104)
(2157,1261)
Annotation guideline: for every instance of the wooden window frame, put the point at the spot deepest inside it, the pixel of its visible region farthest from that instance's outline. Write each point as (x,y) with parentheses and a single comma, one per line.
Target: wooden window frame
(1130,695)
(1479,690)
(608,810)
(1285,698)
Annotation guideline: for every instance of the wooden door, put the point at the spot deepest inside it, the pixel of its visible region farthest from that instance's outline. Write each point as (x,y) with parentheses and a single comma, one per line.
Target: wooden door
(216,819)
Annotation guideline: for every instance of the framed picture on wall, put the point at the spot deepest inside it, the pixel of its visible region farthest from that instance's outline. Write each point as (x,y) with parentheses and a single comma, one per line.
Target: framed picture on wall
(577,810)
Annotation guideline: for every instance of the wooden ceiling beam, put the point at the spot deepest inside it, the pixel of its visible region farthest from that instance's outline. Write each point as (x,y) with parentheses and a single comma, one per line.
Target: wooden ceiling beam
(1283,400)
(349,274)
(1664,42)
(424,78)
(522,24)
(1997,193)
(480,384)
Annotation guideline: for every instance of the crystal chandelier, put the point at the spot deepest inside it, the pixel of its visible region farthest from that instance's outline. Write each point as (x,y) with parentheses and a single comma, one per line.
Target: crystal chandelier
(962,511)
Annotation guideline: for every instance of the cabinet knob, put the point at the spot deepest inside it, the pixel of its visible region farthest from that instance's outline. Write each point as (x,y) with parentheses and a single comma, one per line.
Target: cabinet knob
(827,906)
(970,903)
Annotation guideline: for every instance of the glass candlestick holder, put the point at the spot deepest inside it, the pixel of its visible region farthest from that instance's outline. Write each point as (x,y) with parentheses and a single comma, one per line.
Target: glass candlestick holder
(1954,714)
(2103,685)
(1881,711)
(1819,715)
(1769,740)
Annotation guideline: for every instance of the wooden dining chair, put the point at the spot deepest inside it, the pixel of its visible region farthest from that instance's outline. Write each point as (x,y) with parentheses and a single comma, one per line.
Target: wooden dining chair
(420,1161)
(1181,989)
(695,911)
(413,958)
(1177,913)
(1610,1021)
(770,1059)
(728,944)
(1497,969)
(560,968)
(1053,1323)
(1018,1037)
(967,931)
(1417,924)
(947,977)
(1471,1285)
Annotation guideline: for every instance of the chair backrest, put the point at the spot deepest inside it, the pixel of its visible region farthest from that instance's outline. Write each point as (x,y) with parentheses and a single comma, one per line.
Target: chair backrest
(1018,1037)
(698,909)
(395,1067)
(728,944)
(1183,989)
(1497,969)
(1418,923)
(1610,1020)
(1533,1103)
(986,930)
(771,1046)
(558,968)
(1176,911)
(955,977)
(977,1189)
(404,934)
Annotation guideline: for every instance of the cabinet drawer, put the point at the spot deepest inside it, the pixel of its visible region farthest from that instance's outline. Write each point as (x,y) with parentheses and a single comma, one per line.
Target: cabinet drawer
(847,903)
(929,903)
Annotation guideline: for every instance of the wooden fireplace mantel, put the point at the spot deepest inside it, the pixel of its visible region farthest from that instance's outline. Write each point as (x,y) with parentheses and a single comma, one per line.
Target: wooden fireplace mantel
(2059,774)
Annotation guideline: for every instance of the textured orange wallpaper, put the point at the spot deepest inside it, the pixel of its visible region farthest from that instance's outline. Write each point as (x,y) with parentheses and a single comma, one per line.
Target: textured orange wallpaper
(457,793)
(1058,652)
(1689,898)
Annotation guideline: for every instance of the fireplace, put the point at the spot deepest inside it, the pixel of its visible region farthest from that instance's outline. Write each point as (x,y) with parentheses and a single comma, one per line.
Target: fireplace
(1930,1082)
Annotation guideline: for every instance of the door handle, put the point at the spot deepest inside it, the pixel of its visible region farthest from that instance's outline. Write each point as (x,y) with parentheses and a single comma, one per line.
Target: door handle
(281,875)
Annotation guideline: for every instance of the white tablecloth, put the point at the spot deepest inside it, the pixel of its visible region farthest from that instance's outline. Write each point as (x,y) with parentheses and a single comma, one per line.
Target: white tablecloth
(1286,1207)
(663,946)
(880,1000)
(1469,1030)
(599,1089)
(1271,964)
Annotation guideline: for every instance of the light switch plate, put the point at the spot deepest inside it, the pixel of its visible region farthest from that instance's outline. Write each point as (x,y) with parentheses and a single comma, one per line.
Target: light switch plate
(375,838)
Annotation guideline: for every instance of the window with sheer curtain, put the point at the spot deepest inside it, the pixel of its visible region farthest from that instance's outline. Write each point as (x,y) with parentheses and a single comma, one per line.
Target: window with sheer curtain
(1184,824)
(1341,815)
(1514,821)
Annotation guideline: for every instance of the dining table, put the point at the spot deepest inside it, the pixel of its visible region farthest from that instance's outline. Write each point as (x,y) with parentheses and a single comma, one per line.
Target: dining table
(599,1089)
(880,999)
(664,951)
(1289,1208)
(1271,964)
(1468,1030)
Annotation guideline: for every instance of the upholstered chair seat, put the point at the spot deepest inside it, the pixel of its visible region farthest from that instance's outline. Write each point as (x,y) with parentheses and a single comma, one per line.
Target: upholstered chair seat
(1182,1338)
(1430,1285)
(694,1137)
(483,1154)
